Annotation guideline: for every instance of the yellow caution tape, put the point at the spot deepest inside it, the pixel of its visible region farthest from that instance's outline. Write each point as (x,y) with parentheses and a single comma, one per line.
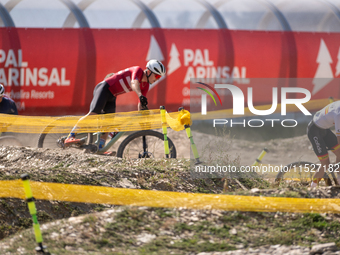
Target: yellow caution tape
(137,197)
(184,118)
(125,121)
(12,189)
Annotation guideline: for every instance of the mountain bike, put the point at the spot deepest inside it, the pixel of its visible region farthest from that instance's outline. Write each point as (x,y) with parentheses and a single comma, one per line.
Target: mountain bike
(140,144)
(301,172)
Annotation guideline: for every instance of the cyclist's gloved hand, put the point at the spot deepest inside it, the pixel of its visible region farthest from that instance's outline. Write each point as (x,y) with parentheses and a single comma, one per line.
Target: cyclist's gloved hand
(144,101)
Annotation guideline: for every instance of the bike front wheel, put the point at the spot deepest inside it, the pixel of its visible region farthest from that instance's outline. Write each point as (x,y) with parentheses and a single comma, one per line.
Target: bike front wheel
(145,144)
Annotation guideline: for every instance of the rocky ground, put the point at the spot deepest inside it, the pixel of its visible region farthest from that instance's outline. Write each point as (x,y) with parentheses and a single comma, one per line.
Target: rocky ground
(76,228)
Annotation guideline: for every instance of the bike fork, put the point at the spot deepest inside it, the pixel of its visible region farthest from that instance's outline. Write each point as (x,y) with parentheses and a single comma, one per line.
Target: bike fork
(145,146)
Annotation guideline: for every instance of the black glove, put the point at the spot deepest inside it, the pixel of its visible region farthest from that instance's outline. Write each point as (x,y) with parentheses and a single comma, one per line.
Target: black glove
(144,101)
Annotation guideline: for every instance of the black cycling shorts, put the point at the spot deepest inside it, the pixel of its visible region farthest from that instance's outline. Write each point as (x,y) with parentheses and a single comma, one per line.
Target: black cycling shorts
(322,140)
(103,101)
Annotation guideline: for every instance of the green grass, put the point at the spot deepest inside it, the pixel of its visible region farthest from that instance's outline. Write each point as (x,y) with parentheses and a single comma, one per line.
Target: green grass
(196,236)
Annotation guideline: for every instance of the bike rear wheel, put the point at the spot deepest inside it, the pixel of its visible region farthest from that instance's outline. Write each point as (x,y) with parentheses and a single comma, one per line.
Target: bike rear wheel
(145,144)
(51,139)
(301,173)
(10,141)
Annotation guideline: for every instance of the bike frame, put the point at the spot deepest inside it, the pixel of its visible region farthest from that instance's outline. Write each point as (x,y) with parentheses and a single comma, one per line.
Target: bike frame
(109,144)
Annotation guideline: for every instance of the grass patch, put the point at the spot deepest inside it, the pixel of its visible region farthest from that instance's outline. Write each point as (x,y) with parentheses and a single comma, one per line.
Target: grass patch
(194,245)
(131,220)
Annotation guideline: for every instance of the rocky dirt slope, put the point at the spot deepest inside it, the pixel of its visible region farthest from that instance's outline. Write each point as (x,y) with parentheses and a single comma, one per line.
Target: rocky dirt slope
(75,228)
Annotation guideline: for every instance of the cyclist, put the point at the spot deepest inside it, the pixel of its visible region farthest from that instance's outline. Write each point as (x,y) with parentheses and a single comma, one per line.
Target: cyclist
(7,105)
(323,139)
(131,79)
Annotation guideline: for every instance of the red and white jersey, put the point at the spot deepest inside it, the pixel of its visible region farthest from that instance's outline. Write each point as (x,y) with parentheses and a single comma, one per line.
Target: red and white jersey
(328,117)
(120,82)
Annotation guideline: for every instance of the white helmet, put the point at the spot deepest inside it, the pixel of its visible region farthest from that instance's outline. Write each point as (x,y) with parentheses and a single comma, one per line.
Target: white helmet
(2,89)
(156,67)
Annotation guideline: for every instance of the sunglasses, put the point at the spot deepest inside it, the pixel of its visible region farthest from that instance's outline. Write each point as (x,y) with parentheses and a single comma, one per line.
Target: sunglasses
(157,76)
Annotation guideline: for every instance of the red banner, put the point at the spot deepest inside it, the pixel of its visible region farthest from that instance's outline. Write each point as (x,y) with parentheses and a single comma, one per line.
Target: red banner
(54,71)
